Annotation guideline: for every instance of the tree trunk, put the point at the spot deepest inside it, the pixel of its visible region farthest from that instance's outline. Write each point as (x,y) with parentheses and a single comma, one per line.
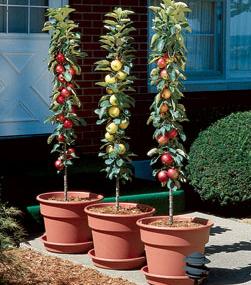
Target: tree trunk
(65,184)
(170,206)
(117,193)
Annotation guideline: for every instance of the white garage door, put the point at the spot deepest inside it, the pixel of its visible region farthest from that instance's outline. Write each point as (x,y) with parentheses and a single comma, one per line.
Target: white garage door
(25,83)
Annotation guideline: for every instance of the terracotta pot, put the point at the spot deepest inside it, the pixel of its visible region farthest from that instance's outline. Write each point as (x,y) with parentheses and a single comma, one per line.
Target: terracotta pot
(166,247)
(66,226)
(116,237)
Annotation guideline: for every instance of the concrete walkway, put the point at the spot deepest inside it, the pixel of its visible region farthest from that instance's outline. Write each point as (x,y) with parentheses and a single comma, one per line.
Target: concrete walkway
(229,251)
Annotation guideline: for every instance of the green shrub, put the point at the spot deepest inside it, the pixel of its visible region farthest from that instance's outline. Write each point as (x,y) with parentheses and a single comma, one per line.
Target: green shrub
(11,232)
(220,160)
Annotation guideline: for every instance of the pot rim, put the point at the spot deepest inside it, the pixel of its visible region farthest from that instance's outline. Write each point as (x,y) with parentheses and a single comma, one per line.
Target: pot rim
(96,198)
(146,225)
(91,213)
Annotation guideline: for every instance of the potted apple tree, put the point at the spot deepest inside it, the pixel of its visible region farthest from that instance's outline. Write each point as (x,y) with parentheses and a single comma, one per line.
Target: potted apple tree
(66,228)
(169,239)
(116,237)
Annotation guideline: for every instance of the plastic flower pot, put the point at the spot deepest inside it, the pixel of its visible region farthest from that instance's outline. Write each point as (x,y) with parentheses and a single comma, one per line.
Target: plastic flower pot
(66,226)
(116,237)
(166,248)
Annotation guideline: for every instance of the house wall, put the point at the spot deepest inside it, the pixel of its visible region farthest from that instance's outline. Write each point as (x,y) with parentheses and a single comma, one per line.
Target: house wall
(202,107)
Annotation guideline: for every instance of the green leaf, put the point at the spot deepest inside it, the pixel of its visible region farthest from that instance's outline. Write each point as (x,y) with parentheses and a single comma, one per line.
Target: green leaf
(105,103)
(102,84)
(154,38)
(55,148)
(155,171)
(109,161)
(112,15)
(97,68)
(103,62)
(50,139)
(155,9)
(67,76)
(119,162)
(160,44)
(100,122)
(110,22)
(47,28)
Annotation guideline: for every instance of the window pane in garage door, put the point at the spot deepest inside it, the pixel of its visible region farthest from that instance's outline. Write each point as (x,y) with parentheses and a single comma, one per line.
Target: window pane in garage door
(18,20)
(2,19)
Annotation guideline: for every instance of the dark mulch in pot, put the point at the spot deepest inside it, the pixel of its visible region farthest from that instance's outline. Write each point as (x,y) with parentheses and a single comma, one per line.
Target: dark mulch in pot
(122,210)
(28,267)
(176,224)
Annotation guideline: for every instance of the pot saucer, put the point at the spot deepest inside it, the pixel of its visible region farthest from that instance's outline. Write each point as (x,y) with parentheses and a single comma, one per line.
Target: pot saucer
(66,247)
(154,279)
(117,264)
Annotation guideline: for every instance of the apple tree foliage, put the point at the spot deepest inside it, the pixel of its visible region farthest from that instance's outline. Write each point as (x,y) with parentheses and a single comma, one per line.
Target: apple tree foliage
(64,51)
(113,109)
(168,54)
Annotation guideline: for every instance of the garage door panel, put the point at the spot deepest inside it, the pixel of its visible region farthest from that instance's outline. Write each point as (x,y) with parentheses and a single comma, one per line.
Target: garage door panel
(25,83)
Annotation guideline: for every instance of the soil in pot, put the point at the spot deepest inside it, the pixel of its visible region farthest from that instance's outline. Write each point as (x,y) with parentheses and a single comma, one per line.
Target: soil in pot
(72,199)
(176,223)
(139,209)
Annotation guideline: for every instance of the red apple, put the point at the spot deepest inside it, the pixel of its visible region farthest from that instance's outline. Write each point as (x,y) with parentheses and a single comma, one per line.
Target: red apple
(59,68)
(72,71)
(162,139)
(172,173)
(162,176)
(166,57)
(71,150)
(173,134)
(60,118)
(70,85)
(166,158)
(61,138)
(74,109)
(60,99)
(161,62)
(68,124)
(58,164)
(65,93)
(60,58)
(61,78)
(164,74)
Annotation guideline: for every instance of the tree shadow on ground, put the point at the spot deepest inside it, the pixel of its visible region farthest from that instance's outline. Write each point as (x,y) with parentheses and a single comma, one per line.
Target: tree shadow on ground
(218,230)
(237,246)
(225,276)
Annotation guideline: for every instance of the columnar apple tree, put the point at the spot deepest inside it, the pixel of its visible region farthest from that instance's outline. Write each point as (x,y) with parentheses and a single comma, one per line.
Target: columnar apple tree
(168,53)
(114,107)
(64,52)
